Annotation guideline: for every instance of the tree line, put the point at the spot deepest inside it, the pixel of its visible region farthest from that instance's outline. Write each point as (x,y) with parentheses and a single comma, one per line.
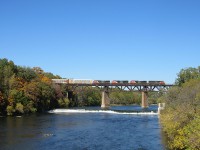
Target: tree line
(26,90)
(181,118)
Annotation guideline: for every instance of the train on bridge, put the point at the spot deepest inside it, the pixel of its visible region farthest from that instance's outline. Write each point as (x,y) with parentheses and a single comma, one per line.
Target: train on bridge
(96,82)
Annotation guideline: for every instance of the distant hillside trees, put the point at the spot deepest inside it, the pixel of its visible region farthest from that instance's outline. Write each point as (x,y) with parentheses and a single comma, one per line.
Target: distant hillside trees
(89,97)
(124,97)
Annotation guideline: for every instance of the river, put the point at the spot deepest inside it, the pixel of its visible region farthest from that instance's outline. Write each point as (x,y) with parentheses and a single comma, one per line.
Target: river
(90,128)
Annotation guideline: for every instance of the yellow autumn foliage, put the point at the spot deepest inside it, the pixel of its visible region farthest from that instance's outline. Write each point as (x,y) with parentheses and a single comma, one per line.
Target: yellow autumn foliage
(181,118)
(46,80)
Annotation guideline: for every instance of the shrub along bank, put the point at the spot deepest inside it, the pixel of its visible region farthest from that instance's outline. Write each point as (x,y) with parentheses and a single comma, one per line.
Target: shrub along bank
(181,118)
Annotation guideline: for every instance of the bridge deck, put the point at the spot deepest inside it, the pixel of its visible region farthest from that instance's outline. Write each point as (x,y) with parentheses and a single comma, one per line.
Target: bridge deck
(125,86)
(118,84)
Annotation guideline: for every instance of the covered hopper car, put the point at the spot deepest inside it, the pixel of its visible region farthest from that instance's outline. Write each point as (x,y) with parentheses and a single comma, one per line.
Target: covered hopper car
(80,81)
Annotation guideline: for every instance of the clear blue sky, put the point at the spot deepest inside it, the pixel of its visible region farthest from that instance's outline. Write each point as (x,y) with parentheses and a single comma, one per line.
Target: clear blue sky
(102,39)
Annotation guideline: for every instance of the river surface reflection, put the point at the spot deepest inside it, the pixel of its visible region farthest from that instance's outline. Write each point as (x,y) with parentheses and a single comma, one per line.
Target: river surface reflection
(84,131)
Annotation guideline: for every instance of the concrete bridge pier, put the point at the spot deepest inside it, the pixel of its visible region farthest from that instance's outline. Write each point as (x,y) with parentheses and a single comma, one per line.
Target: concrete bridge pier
(105,100)
(161,106)
(144,99)
(70,95)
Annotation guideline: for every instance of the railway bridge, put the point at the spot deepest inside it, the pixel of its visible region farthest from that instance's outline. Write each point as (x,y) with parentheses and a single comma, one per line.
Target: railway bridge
(106,87)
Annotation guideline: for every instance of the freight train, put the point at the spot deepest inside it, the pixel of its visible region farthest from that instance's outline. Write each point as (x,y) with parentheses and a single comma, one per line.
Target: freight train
(96,82)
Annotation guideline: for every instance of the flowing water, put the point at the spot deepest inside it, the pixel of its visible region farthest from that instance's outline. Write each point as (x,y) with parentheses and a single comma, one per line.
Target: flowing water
(90,128)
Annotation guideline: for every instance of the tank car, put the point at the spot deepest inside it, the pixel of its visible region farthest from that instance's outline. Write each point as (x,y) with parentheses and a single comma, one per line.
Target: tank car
(133,82)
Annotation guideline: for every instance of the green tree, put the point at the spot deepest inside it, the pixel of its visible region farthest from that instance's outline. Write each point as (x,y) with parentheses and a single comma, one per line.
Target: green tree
(51,75)
(45,97)
(17,96)
(26,73)
(7,69)
(125,98)
(186,74)
(64,103)
(32,91)
(30,107)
